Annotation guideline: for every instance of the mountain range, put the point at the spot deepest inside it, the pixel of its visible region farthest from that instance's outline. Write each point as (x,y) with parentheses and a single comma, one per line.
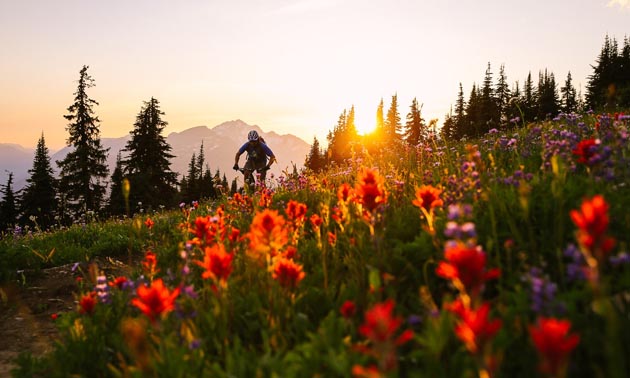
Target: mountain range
(220,144)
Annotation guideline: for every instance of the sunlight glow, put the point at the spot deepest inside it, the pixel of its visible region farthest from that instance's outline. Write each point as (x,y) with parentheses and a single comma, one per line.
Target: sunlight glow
(622,3)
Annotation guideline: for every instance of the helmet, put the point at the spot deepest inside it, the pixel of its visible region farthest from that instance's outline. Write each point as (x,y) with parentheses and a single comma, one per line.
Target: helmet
(253,135)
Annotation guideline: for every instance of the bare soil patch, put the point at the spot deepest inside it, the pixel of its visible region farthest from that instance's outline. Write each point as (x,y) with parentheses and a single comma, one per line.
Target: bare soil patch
(27,309)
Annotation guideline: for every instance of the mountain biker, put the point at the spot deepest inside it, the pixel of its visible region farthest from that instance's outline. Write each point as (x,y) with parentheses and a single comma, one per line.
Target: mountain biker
(257,153)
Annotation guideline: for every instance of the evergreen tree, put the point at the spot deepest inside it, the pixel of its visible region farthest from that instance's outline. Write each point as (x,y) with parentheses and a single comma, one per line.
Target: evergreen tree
(448,127)
(603,81)
(379,131)
(148,164)
(315,160)
(489,111)
(39,197)
(84,168)
(529,99)
(190,182)
(8,206)
(502,94)
(415,131)
(116,204)
(569,96)
(473,114)
(548,101)
(459,123)
(393,127)
(233,187)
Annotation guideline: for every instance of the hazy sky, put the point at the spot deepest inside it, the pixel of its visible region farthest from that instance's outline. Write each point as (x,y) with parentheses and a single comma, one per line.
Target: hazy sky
(287,66)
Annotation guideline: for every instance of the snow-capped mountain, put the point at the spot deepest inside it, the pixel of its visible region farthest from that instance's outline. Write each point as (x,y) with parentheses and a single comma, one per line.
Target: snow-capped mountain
(220,144)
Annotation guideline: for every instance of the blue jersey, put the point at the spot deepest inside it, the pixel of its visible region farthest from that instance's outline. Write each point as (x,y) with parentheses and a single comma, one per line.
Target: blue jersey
(258,152)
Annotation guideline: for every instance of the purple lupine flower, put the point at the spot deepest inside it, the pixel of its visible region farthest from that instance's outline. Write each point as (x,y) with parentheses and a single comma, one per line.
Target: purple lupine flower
(576,267)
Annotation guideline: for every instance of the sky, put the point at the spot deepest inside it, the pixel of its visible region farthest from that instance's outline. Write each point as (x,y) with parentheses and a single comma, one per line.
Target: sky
(286,66)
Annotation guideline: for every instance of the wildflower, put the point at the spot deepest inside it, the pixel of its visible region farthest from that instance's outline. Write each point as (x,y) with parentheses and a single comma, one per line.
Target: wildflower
(316,220)
(370,189)
(118,282)
(379,328)
(332,238)
(87,303)
(348,308)
(344,193)
(149,223)
(54,316)
(296,211)
(592,221)
(287,272)
(427,198)
(585,150)
(553,343)
(474,328)
(466,266)
(371,371)
(267,234)
(217,263)
(155,300)
(150,263)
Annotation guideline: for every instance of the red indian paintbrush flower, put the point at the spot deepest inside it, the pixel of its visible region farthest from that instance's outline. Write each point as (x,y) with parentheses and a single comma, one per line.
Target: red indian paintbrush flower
(345,193)
(584,150)
(156,299)
(149,264)
(428,197)
(118,282)
(87,303)
(554,343)
(202,227)
(149,223)
(267,234)
(287,273)
(296,211)
(348,308)
(592,221)
(370,189)
(380,327)
(474,328)
(217,263)
(468,265)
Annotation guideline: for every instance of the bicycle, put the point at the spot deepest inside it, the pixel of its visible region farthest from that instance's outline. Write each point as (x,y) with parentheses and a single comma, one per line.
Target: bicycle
(249,178)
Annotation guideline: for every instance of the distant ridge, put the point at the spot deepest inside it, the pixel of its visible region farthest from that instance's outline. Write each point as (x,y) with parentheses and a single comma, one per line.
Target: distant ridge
(220,145)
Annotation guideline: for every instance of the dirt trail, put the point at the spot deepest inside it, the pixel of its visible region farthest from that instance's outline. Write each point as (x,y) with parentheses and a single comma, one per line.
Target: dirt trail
(26,310)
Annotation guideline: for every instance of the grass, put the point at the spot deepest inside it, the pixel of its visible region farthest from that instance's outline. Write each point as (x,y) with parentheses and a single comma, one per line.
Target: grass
(242,308)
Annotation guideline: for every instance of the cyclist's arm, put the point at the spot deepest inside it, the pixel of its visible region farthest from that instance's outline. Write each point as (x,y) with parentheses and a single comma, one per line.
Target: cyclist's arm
(268,152)
(239,153)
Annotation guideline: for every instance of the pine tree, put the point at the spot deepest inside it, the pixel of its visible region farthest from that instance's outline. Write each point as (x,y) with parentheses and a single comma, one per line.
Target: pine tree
(459,123)
(489,111)
(188,185)
(529,99)
(548,101)
(379,131)
(315,160)
(116,204)
(39,197)
(473,114)
(569,96)
(148,164)
(415,130)
(84,169)
(602,82)
(502,94)
(8,206)
(392,123)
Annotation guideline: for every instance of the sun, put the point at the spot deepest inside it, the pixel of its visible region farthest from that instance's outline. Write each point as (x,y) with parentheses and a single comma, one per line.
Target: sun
(364,123)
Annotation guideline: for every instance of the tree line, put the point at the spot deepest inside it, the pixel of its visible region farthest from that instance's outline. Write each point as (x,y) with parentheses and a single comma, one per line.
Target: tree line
(491,104)
(142,179)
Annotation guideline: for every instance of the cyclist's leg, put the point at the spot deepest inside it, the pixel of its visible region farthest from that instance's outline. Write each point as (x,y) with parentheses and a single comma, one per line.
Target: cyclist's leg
(248,174)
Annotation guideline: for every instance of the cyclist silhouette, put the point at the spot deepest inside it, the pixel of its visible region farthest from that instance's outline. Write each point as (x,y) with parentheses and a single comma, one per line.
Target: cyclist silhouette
(257,154)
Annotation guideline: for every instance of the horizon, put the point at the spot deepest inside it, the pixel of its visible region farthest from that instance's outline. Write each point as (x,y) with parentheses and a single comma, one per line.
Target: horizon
(291,67)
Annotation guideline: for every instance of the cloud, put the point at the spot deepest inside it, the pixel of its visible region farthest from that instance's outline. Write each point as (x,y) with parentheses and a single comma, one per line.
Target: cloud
(625,4)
